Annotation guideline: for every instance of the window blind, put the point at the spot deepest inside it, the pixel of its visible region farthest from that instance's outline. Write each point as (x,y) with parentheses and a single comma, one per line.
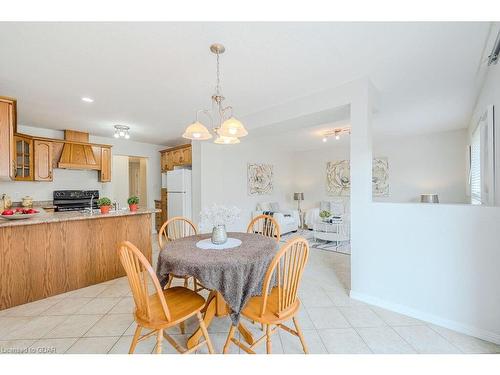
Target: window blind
(475,167)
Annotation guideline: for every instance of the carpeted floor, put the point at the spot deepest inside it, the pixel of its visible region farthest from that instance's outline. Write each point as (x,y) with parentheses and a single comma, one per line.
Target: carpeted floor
(343,247)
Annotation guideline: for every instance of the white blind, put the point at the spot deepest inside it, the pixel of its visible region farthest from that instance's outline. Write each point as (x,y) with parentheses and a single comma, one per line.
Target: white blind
(475,167)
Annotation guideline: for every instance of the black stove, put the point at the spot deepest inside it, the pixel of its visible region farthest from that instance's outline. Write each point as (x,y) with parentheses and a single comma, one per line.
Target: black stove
(75,200)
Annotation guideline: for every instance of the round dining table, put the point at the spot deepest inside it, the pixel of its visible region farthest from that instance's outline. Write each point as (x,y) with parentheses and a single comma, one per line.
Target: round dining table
(233,275)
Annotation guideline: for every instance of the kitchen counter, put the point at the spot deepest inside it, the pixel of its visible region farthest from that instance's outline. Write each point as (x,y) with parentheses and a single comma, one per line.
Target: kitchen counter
(55,217)
(54,253)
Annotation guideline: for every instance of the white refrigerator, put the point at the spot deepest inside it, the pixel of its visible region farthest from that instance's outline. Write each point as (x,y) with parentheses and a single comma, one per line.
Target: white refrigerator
(178,184)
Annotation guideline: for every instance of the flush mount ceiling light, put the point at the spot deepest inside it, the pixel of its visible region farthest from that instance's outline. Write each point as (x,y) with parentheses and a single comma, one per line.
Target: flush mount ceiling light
(87,100)
(335,133)
(228,129)
(122,131)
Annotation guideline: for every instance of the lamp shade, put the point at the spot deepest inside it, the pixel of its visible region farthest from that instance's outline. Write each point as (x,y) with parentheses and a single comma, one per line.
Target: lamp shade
(197,132)
(232,128)
(222,140)
(298,196)
(429,198)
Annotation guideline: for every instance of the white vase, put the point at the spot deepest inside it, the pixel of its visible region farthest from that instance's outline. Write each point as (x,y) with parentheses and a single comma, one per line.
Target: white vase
(219,234)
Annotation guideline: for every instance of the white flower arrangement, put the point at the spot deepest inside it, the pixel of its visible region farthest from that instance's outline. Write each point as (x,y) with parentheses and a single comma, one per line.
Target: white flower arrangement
(219,215)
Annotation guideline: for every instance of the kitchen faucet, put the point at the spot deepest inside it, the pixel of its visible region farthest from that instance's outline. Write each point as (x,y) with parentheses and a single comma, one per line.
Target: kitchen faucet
(91,204)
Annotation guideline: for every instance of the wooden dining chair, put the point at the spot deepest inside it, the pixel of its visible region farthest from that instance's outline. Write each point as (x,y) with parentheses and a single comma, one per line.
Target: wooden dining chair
(173,229)
(278,303)
(163,309)
(265,225)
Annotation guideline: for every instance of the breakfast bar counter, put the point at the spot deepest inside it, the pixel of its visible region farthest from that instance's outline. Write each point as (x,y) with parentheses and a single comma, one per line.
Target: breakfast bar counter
(53,253)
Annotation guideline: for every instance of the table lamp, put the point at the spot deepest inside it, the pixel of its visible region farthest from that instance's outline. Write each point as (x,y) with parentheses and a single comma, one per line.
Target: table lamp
(298,197)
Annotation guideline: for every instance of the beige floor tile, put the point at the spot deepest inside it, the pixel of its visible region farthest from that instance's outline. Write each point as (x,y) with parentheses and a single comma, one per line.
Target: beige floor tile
(276,346)
(67,306)
(304,319)
(122,346)
(291,344)
(37,327)
(118,289)
(99,306)
(466,344)
(90,291)
(327,317)
(125,305)
(219,325)
(340,298)
(9,324)
(394,319)
(111,325)
(315,298)
(53,346)
(424,340)
(74,326)
(384,340)
(169,349)
(360,316)
(343,341)
(15,346)
(31,309)
(92,345)
(218,341)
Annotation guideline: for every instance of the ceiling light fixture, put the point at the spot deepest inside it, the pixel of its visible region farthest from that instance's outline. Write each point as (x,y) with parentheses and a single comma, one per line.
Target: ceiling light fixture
(336,133)
(87,100)
(122,131)
(228,129)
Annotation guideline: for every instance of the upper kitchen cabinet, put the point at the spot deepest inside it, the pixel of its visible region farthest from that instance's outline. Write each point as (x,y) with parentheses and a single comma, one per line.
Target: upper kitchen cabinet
(43,160)
(7,130)
(23,158)
(105,173)
(175,157)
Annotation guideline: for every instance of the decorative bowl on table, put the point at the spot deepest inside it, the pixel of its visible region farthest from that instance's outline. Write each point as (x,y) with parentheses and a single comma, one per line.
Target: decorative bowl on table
(19,214)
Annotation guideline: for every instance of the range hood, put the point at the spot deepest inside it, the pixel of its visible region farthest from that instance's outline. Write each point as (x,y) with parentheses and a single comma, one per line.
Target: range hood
(77,152)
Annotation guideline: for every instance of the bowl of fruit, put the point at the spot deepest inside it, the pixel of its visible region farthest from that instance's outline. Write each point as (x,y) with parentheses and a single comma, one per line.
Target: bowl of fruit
(19,213)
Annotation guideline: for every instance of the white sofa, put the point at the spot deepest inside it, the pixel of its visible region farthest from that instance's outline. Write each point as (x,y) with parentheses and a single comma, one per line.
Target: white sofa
(288,220)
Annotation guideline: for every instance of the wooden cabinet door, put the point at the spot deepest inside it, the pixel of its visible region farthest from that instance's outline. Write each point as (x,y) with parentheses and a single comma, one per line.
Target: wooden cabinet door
(170,161)
(43,160)
(23,158)
(105,173)
(7,113)
(186,155)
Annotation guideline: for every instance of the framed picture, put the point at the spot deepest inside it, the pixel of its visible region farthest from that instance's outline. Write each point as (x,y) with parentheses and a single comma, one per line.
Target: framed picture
(260,179)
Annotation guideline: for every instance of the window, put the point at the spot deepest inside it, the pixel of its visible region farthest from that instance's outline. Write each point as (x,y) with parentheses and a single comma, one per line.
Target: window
(475,167)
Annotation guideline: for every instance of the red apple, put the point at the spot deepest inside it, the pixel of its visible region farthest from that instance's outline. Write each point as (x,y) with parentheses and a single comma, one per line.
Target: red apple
(8,212)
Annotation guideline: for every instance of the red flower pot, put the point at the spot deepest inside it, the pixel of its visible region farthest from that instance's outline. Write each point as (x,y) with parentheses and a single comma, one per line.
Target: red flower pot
(105,209)
(133,207)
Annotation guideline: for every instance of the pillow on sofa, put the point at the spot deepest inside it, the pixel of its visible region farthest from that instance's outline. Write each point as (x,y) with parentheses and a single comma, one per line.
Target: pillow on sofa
(324,206)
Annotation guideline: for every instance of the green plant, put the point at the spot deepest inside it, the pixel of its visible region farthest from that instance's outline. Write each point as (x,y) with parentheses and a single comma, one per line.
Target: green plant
(104,202)
(325,214)
(133,200)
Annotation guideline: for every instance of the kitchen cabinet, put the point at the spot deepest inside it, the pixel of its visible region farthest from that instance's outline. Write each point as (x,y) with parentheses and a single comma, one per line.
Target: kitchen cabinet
(23,158)
(43,160)
(7,130)
(105,173)
(176,157)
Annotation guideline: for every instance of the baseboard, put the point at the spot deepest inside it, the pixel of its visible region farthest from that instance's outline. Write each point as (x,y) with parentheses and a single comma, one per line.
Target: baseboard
(430,318)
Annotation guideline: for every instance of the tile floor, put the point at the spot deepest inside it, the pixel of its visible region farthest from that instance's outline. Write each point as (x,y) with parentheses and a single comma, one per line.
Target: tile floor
(98,319)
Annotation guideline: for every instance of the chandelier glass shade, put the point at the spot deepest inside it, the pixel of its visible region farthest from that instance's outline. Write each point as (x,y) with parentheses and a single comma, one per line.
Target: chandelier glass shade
(224,125)
(197,131)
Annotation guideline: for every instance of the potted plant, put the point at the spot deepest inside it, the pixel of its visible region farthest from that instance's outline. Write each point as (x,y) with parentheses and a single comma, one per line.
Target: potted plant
(324,215)
(104,204)
(133,201)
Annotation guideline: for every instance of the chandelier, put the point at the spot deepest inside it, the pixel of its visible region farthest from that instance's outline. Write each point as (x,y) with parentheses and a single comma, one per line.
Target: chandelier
(336,133)
(226,128)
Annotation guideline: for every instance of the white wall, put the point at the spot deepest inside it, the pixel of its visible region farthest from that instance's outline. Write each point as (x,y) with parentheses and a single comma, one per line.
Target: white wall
(438,263)
(88,180)
(223,177)
(120,172)
(418,164)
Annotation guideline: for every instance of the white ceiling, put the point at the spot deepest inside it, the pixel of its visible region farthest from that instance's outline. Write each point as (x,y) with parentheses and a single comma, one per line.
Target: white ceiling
(153,76)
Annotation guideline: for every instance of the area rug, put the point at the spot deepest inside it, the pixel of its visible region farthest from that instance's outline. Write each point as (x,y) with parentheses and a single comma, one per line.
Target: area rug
(343,247)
